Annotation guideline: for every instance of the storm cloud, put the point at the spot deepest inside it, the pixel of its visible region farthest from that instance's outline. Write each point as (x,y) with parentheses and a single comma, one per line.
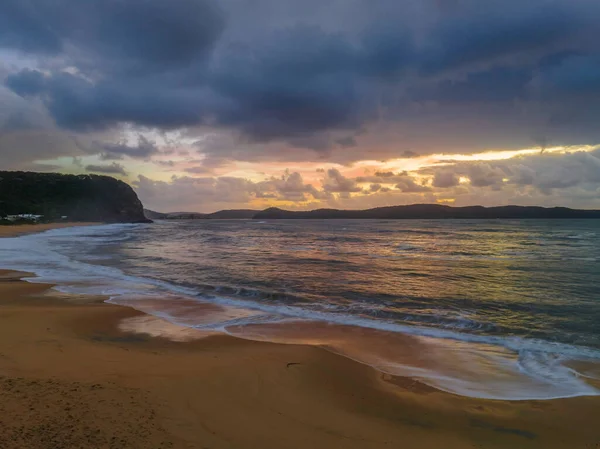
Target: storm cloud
(328,82)
(143,149)
(548,173)
(182,64)
(111,169)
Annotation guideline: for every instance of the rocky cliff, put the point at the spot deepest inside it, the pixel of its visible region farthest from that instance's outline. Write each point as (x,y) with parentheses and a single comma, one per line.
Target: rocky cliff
(77,197)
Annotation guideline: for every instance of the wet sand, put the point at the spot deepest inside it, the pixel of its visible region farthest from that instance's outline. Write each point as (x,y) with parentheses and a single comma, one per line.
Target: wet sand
(72,375)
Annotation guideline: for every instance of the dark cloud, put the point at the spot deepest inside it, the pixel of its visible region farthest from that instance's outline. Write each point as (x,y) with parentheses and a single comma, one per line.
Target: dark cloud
(386,174)
(563,171)
(290,187)
(213,193)
(444,179)
(79,104)
(112,169)
(28,135)
(25,27)
(485,175)
(401,181)
(408,185)
(346,142)
(133,33)
(389,177)
(479,32)
(545,172)
(550,179)
(575,75)
(116,151)
(168,163)
(296,81)
(197,170)
(17,122)
(26,83)
(387,50)
(447,5)
(186,193)
(335,182)
(408,154)
(313,75)
(498,84)
(111,157)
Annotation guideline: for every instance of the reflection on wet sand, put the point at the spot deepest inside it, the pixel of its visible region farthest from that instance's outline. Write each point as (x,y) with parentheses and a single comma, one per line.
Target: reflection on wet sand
(466,368)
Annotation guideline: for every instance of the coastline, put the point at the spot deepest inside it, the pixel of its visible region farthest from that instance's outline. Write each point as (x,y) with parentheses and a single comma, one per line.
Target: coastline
(71,376)
(17,230)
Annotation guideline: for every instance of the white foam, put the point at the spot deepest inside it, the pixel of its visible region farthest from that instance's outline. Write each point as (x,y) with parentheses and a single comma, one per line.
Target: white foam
(156,327)
(468,369)
(518,368)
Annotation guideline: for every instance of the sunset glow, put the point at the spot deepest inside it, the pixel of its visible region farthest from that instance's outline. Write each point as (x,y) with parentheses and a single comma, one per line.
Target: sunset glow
(315,107)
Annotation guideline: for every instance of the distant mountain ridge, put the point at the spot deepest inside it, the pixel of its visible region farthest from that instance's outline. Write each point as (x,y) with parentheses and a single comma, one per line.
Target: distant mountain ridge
(69,197)
(228,214)
(413,211)
(431,211)
(153,215)
(234,214)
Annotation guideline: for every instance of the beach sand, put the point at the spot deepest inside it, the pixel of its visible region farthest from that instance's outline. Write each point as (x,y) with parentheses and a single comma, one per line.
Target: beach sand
(11,231)
(72,376)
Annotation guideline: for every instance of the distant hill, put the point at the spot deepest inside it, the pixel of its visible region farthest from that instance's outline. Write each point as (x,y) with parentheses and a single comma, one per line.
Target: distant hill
(431,211)
(229,214)
(235,214)
(153,215)
(414,211)
(185,216)
(76,197)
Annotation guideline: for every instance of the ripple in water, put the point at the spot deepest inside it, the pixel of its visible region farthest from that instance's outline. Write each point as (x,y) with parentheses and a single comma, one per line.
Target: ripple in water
(493,309)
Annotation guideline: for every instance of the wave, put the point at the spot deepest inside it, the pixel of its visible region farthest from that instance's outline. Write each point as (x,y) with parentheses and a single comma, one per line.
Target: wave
(537,368)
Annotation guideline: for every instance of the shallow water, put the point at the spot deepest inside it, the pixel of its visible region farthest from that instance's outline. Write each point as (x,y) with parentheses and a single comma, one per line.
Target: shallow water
(505,309)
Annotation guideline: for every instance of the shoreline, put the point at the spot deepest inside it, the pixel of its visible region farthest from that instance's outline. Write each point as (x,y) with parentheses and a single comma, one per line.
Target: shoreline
(24,229)
(70,373)
(61,359)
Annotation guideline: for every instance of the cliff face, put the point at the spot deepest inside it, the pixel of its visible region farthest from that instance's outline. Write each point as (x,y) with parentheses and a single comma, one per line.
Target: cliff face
(78,197)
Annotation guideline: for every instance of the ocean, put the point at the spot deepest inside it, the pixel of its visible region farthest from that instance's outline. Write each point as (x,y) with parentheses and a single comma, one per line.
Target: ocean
(498,309)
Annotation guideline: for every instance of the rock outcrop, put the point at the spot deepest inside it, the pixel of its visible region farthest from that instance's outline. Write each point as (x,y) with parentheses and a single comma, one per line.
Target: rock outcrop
(72,197)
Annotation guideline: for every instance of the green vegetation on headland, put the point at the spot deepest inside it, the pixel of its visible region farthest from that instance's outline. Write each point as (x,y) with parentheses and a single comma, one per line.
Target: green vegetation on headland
(57,197)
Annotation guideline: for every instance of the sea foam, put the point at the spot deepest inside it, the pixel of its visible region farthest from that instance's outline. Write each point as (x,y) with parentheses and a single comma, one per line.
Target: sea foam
(484,366)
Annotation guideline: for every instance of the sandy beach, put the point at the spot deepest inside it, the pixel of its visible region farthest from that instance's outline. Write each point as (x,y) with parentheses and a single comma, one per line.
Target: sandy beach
(72,375)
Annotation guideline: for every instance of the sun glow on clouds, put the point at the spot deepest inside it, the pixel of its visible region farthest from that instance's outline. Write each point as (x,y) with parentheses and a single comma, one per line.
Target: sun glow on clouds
(180,163)
(335,103)
(442,178)
(417,163)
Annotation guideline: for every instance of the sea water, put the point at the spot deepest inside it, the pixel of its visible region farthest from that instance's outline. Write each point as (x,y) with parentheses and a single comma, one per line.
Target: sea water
(499,309)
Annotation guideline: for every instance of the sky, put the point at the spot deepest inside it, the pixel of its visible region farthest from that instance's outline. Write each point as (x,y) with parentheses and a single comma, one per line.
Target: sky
(203,105)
